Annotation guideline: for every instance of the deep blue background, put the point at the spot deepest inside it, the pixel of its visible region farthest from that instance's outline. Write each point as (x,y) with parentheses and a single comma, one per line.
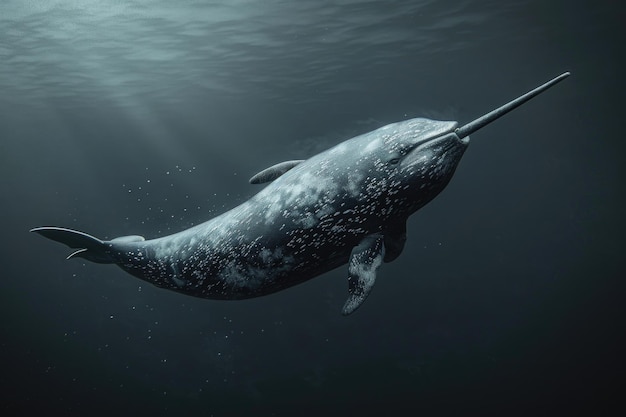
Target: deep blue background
(144,118)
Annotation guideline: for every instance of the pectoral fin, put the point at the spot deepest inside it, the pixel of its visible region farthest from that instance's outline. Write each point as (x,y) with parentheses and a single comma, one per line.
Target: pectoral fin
(273,172)
(364,261)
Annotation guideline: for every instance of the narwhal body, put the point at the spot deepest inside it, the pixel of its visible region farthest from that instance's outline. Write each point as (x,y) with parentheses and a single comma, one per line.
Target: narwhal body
(348,204)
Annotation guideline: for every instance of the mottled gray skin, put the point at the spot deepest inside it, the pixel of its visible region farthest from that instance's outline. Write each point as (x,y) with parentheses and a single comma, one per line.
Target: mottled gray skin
(348,204)
(309,219)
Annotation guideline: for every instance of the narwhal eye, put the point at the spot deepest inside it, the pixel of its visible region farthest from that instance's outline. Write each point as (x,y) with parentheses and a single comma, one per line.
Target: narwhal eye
(394,157)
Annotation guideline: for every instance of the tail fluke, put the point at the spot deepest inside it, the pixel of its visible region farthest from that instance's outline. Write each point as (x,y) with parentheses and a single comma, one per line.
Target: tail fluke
(89,247)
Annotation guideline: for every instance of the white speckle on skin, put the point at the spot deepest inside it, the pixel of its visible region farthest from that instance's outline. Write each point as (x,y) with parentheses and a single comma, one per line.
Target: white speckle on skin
(307,220)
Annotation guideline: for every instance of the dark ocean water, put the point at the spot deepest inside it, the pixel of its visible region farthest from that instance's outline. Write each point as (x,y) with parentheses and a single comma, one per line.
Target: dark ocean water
(146,117)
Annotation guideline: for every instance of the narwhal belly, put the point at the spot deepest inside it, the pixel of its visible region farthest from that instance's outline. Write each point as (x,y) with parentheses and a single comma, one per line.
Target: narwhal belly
(233,257)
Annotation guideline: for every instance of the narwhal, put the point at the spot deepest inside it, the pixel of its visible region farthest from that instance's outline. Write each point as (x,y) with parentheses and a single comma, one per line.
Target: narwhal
(348,204)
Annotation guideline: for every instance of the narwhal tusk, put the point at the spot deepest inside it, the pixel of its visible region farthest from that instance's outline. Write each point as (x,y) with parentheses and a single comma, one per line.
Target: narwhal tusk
(473,126)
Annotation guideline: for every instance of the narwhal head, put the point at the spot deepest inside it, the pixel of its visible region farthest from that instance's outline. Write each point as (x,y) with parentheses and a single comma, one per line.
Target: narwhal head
(428,166)
(413,160)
